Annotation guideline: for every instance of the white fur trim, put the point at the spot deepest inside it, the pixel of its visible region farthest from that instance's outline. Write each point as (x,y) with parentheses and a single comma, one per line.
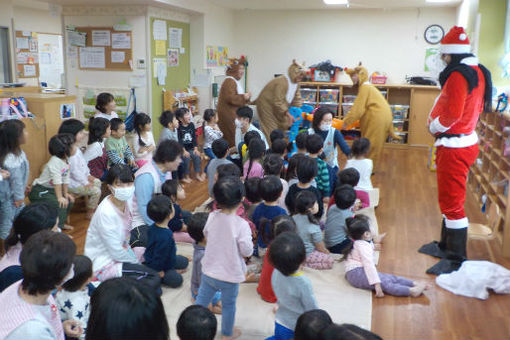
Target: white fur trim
(436,127)
(457,224)
(455,48)
(471,61)
(458,142)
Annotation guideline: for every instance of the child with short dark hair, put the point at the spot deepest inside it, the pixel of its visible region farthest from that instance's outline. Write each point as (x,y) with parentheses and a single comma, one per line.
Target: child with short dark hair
(229,240)
(196,225)
(317,256)
(293,290)
(270,190)
(314,147)
(306,172)
(253,167)
(170,125)
(105,106)
(335,231)
(52,185)
(360,269)
(252,199)
(188,140)
(143,141)
(351,176)
(279,224)
(73,298)
(196,323)
(117,148)
(273,165)
(279,147)
(358,160)
(220,150)
(311,323)
(211,132)
(275,135)
(161,253)
(301,142)
(172,189)
(95,153)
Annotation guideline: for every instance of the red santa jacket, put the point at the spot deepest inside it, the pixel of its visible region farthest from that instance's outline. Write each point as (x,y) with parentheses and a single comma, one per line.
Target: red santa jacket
(456,111)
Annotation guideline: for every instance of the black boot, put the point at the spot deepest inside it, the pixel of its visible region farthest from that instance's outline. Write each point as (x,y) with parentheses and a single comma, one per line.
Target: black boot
(435,248)
(456,240)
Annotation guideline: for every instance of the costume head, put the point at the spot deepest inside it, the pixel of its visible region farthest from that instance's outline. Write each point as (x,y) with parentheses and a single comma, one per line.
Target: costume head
(235,67)
(360,72)
(296,71)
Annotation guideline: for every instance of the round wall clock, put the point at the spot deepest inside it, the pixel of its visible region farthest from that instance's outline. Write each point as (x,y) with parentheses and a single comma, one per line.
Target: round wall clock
(434,34)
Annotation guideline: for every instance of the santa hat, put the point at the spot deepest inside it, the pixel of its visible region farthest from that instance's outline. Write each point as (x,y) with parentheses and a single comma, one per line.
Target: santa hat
(455,42)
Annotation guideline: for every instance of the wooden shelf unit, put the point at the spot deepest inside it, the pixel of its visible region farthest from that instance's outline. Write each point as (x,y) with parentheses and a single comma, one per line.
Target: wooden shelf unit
(419,98)
(171,102)
(489,177)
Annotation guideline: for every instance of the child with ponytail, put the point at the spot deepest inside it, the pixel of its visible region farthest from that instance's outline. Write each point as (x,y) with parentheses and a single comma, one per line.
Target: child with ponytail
(143,143)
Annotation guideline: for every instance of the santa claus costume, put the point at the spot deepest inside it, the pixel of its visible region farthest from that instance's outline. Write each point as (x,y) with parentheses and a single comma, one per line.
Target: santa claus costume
(465,92)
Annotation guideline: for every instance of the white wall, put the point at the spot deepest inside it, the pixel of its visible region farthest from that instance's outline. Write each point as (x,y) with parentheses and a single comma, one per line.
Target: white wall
(390,41)
(38,18)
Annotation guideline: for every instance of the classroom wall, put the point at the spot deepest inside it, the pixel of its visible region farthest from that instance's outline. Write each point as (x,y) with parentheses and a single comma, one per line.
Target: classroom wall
(37,18)
(390,41)
(6,14)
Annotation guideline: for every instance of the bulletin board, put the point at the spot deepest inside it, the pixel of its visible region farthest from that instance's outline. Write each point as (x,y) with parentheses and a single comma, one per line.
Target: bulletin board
(27,55)
(115,59)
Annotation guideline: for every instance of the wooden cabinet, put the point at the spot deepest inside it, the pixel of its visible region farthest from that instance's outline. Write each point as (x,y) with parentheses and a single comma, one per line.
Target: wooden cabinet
(410,104)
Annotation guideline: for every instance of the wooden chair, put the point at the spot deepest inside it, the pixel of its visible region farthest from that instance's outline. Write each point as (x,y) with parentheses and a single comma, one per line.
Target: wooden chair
(487,231)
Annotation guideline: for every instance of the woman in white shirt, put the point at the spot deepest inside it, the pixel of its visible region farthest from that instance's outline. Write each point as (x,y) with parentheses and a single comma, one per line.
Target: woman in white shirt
(107,242)
(359,150)
(105,106)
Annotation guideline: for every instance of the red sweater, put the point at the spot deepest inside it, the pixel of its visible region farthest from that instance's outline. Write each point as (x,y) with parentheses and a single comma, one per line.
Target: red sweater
(265,289)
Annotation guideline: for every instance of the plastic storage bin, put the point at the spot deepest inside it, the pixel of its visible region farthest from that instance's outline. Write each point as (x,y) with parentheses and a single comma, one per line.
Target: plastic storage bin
(309,95)
(346,107)
(399,125)
(400,111)
(328,96)
(349,98)
(403,139)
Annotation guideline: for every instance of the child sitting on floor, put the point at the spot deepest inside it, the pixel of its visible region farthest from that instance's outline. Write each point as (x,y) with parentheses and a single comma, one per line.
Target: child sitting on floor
(270,190)
(143,141)
(211,133)
(196,227)
(301,142)
(273,165)
(95,153)
(360,269)
(73,298)
(196,323)
(351,176)
(161,252)
(275,135)
(279,224)
(293,290)
(117,148)
(252,198)
(358,161)
(229,240)
(220,150)
(335,231)
(311,323)
(188,140)
(317,256)
(314,147)
(170,125)
(173,190)
(253,167)
(306,172)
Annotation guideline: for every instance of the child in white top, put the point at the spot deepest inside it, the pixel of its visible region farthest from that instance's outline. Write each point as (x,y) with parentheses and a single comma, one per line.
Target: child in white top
(211,132)
(358,161)
(81,183)
(95,153)
(143,143)
(105,106)
(73,299)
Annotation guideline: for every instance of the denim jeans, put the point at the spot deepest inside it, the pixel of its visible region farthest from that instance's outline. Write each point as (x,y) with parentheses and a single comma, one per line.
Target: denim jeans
(173,279)
(229,291)
(184,167)
(210,154)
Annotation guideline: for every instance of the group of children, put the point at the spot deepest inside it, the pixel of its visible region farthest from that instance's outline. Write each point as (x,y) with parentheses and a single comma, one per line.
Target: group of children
(265,205)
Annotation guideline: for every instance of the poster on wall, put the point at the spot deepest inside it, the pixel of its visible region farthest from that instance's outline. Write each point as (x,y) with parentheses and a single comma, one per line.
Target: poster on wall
(67,111)
(222,56)
(159,30)
(175,37)
(160,47)
(211,59)
(101,38)
(173,57)
(92,57)
(432,60)
(216,56)
(75,38)
(121,41)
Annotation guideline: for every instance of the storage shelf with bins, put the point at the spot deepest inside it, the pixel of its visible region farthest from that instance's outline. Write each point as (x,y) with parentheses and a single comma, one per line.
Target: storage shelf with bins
(489,177)
(410,105)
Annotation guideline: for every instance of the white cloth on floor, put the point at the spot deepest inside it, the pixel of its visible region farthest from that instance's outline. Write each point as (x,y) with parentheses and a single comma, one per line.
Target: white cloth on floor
(474,278)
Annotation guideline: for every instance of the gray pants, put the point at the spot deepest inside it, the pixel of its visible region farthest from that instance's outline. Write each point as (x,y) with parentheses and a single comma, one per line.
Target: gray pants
(390,284)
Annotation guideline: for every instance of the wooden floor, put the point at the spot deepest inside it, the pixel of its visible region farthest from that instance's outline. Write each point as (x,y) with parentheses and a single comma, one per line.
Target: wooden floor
(409,213)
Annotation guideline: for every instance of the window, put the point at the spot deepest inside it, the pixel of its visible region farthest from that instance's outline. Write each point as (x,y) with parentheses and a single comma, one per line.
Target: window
(5,60)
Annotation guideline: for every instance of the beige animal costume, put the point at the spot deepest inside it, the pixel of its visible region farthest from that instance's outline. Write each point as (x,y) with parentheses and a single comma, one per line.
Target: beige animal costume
(231,97)
(373,112)
(276,97)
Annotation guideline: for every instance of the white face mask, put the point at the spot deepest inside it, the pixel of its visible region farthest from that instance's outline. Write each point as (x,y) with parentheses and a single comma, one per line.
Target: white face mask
(238,123)
(124,193)
(325,127)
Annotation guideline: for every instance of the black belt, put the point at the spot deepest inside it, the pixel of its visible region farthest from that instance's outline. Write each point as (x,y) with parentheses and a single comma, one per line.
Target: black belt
(450,135)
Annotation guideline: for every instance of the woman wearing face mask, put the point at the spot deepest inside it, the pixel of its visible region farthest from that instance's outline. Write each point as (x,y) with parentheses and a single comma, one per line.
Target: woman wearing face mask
(322,125)
(107,242)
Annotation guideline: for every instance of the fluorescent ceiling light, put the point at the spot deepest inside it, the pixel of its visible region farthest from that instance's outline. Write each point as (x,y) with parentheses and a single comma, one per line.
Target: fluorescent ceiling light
(336,2)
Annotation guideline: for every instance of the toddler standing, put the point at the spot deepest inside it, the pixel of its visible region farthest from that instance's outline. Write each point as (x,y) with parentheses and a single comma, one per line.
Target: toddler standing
(359,151)
(229,240)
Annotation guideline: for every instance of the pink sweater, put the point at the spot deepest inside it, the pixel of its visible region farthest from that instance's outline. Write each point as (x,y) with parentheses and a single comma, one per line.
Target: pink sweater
(228,241)
(362,255)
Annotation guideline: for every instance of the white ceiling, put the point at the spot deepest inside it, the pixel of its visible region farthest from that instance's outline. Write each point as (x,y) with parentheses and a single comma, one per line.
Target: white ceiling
(319,4)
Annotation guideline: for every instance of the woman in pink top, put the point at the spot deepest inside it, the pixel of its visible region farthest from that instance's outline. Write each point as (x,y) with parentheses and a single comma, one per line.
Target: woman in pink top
(229,240)
(360,269)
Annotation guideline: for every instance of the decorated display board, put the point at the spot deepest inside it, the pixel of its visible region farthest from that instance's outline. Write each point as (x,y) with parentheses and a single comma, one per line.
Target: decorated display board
(27,55)
(105,49)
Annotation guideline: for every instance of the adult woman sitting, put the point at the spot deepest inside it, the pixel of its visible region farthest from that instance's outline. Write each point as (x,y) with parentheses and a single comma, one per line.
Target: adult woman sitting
(29,309)
(107,242)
